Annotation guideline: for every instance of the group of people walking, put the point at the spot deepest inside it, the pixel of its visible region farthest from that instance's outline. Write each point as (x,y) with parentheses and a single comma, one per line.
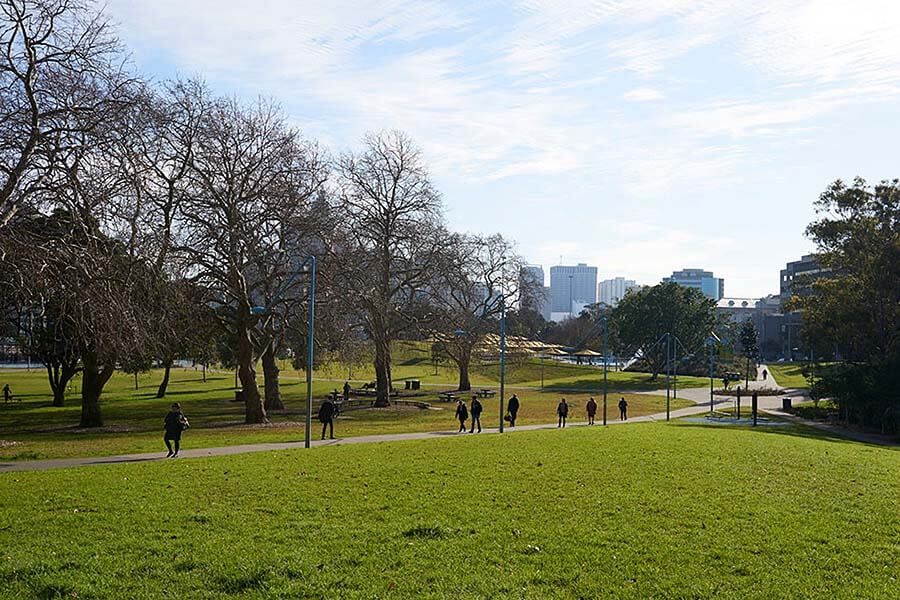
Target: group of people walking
(463,412)
(176,422)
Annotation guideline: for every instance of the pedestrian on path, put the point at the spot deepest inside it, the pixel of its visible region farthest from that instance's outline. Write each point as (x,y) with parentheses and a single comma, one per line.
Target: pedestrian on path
(326,417)
(513,408)
(562,412)
(623,409)
(476,414)
(346,391)
(591,410)
(462,413)
(175,423)
(765,374)
(7,394)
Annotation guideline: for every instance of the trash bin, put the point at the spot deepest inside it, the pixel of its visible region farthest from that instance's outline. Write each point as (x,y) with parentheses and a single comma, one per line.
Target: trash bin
(786,403)
(408,384)
(416,384)
(238,395)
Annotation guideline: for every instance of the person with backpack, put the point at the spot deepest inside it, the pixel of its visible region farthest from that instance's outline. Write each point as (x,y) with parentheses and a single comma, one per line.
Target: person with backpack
(174,424)
(476,414)
(591,410)
(462,413)
(623,409)
(326,417)
(563,412)
(513,410)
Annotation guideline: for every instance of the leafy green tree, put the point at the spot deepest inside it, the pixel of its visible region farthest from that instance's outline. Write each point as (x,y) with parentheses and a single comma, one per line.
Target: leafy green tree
(642,317)
(749,338)
(853,306)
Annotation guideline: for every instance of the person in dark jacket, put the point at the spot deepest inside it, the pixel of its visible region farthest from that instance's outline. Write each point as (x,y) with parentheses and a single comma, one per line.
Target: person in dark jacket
(476,414)
(462,413)
(347,389)
(563,412)
(591,410)
(326,417)
(623,409)
(7,393)
(513,409)
(175,423)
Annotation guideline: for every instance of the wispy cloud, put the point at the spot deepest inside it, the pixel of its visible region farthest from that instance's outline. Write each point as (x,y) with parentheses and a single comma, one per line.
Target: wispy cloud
(611,100)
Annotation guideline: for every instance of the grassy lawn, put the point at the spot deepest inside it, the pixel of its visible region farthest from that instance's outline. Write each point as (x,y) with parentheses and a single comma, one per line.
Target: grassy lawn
(681,510)
(788,375)
(33,429)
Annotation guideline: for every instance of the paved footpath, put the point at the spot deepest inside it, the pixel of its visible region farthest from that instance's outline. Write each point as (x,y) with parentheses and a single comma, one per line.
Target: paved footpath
(698,395)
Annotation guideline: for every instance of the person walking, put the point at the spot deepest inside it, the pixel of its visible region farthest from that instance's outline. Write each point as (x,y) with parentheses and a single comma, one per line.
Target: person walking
(326,417)
(462,413)
(591,410)
(562,411)
(623,409)
(765,374)
(476,414)
(346,391)
(174,424)
(7,393)
(513,408)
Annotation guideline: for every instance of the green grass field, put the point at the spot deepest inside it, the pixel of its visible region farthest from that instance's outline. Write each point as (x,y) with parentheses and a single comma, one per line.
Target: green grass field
(33,429)
(680,510)
(789,375)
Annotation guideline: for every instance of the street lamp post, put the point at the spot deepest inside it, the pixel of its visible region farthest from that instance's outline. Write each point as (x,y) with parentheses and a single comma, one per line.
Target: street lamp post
(502,356)
(709,344)
(668,371)
(309,261)
(605,364)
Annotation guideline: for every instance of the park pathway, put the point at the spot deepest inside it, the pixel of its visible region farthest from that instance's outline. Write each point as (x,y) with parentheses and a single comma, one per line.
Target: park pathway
(698,395)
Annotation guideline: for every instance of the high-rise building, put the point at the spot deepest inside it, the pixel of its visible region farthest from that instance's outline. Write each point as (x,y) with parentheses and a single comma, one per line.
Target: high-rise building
(537,296)
(571,289)
(712,286)
(807,266)
(610,291)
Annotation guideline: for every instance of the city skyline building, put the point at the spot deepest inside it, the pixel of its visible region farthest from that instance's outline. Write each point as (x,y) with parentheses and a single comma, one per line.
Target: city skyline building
(611,291)
(572,287)
(705,281)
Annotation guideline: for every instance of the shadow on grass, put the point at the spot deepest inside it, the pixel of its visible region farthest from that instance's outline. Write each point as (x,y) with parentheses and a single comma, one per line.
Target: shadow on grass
(791,429)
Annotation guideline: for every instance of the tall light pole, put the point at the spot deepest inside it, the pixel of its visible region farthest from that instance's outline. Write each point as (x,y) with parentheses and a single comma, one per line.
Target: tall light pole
(710,342)
(310,262)
(502,356)
(571,297)
(668,370)
(605,363)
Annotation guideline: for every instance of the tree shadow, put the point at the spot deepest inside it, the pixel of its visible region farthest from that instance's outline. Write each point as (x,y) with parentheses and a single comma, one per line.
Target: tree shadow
(790,429)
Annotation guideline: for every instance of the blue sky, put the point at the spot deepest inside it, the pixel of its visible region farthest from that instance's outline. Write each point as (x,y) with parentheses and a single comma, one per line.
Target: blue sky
(637,136)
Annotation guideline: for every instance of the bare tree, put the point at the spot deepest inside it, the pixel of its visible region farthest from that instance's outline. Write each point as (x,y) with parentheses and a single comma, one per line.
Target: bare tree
(60,71)
(391,240)
(251,182)
(479,279)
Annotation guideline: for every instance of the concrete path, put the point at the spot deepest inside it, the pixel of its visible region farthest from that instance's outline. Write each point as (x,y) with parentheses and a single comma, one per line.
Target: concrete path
(62,463)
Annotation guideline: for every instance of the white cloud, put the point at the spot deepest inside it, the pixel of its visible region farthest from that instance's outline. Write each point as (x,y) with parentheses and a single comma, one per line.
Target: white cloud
(643,95)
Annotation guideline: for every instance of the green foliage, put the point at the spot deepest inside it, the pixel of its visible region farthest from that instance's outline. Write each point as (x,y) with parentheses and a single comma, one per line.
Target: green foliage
(855,307)
(637,511)
(643,317)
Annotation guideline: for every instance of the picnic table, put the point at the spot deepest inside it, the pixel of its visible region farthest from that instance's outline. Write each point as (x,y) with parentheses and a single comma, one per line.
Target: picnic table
(448,396)
(485,393)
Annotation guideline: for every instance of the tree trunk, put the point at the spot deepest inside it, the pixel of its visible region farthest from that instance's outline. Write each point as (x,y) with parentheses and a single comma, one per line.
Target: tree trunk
(382,373)
(164,384)
(94,378)
(270,378)
(60,375)
(254,410)
(465,357)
